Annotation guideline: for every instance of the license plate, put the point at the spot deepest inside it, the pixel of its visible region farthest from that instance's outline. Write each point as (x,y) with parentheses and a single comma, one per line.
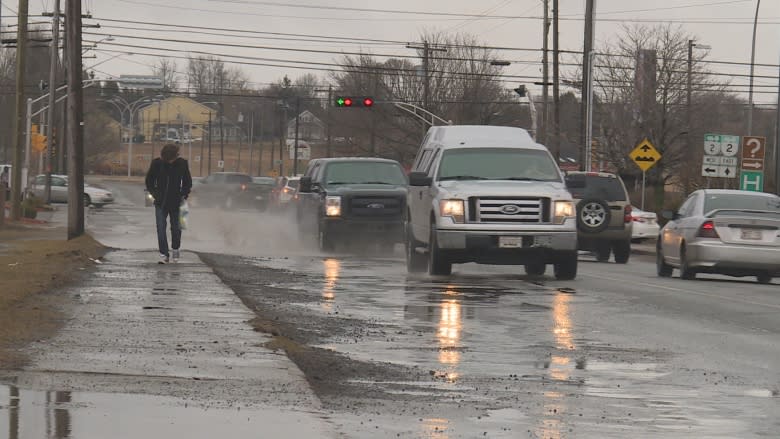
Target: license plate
(510,241)
(751,234)
(543,241)
(259,197)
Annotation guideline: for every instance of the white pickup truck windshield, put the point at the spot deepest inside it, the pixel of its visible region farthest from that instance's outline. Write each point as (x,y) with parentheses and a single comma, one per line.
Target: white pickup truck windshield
(497,164)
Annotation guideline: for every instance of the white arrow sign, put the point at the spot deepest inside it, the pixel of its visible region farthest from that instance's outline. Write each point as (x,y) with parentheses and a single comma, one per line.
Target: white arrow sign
(754,165)
(710,170)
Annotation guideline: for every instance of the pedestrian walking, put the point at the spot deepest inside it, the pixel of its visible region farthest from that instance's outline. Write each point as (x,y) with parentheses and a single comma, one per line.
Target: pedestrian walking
(169,182)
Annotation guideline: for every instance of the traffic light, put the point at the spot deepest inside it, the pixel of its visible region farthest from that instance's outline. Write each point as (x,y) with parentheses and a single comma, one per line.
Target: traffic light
(351,101)
(38,142)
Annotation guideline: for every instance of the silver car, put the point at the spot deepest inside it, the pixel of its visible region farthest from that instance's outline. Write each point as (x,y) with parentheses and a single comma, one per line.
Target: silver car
(93,196)
(736,233)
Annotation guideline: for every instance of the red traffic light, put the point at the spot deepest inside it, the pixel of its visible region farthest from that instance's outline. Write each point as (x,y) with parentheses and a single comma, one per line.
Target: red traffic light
(344,101)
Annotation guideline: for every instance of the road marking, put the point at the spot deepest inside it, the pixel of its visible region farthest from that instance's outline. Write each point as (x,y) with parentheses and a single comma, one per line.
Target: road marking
(698,293)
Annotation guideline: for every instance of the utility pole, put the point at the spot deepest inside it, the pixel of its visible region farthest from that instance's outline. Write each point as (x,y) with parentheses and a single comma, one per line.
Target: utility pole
(55,47)
(251,142)
(545,72)
(75,120)
(689,115)
(209,167)
(329,147)
(202,158)
(426,50)
(556,84)
(222,134)
(19,134)
(282,139)
(426,78)
(752,69)
(297,123)
(777,138)
(586,72)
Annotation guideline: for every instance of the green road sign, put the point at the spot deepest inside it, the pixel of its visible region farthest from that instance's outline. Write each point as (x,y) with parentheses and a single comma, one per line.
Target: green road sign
(751,181)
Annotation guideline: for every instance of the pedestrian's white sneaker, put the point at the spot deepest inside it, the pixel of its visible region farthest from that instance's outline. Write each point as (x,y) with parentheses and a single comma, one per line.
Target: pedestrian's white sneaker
(175,255)
(163,259)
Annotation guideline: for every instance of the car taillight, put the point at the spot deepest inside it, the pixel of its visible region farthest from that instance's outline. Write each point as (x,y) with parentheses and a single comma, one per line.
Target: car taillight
(707,230)
(243,187)
(286,190)
(627,214)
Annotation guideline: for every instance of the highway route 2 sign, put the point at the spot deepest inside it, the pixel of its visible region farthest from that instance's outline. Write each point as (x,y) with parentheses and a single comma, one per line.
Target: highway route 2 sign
(712,144)
(729,145)
(645,155)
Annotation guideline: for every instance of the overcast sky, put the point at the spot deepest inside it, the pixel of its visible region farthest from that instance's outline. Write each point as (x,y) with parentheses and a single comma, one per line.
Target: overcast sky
(725,25)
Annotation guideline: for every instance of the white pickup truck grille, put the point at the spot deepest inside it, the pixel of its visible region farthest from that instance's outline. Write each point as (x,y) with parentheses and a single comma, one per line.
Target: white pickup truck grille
(510,210)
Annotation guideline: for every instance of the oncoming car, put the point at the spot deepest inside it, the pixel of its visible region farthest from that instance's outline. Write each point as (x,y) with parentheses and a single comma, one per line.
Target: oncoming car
(736,233)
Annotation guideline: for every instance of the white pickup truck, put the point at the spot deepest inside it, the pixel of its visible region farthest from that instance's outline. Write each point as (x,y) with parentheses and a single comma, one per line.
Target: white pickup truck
(489,195)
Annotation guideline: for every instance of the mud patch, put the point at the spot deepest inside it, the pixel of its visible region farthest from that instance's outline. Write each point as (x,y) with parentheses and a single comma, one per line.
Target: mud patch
(35,267)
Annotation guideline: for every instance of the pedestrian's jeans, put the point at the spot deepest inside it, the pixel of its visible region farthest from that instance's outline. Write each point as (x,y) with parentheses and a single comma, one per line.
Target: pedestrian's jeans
(162,215)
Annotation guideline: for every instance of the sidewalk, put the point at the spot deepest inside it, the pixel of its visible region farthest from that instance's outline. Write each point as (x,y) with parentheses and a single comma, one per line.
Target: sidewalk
(169,345)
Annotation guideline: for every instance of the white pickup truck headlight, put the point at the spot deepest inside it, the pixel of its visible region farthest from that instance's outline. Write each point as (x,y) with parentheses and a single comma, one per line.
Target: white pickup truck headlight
(563,210)
(333,206)
(454,209)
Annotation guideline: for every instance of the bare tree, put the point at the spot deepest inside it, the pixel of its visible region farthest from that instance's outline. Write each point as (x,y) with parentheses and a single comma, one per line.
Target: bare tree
(165,69)
(627,110)
(210,75)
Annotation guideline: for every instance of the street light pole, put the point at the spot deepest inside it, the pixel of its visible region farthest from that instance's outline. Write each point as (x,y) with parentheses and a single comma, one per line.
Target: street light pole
(752,69)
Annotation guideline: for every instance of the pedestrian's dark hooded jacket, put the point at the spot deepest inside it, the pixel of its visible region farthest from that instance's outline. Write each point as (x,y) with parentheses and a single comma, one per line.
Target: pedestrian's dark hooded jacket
(169,182)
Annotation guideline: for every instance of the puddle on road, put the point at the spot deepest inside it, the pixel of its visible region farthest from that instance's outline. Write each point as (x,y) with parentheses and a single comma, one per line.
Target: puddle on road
(32,414)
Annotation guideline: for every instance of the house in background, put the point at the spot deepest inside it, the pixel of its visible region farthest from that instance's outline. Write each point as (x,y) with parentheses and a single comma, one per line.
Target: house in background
(181,119)
(310,128)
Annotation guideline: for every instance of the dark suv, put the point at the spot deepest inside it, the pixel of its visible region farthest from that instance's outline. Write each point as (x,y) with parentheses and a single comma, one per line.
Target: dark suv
(603,214)
(352,200)
(231,190)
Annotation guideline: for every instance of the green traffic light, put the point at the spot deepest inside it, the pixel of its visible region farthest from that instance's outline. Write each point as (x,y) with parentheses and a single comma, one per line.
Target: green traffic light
(340,102)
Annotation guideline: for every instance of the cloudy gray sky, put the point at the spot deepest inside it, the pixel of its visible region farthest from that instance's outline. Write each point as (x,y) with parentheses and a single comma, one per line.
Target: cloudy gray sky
(725,25)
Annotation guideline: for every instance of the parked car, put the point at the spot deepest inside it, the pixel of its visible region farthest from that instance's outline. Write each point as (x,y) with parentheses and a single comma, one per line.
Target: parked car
(350,200)
(230,190)
(93,196)
(489,195)
(730,232)
(644,225)
(604,221)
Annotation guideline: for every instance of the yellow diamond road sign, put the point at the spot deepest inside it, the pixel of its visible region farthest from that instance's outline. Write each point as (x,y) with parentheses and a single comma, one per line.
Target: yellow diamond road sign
(645,155)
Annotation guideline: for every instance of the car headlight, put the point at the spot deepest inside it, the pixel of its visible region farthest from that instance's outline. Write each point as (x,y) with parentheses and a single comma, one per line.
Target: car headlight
(454,209)
(563,210)
(333,206)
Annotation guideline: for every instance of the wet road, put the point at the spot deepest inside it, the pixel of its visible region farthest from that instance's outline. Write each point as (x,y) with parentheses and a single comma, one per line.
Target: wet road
(490,352)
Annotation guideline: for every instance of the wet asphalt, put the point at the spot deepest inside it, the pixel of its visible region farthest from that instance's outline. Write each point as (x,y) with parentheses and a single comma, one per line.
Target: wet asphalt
(487,352)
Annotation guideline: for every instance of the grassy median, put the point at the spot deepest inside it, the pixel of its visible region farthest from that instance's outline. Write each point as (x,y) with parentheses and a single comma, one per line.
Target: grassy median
(35,265)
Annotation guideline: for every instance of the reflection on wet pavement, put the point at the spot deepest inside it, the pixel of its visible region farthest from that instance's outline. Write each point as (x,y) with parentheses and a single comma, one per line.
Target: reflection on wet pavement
(477,329)
(332,271)
(33,414)
(449,333)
